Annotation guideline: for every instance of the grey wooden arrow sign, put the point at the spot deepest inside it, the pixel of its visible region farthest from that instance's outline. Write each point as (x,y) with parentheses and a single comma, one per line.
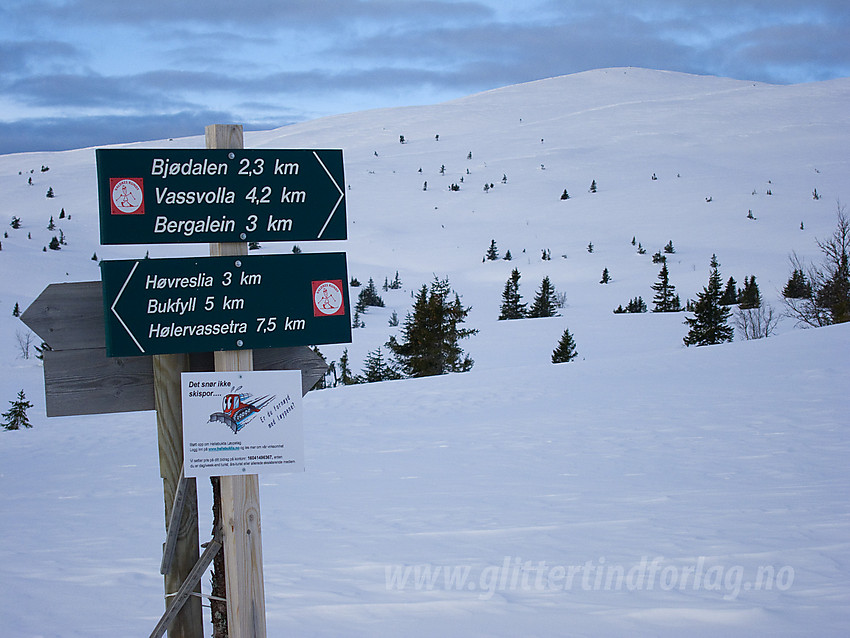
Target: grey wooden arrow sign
(80,379)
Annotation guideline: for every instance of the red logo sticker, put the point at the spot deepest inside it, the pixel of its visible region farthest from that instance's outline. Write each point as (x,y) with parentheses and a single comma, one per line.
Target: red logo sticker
(127,195)
(327,298)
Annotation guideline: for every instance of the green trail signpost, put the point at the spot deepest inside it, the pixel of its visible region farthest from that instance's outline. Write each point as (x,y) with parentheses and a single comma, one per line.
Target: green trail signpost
(165,306)
(169,196)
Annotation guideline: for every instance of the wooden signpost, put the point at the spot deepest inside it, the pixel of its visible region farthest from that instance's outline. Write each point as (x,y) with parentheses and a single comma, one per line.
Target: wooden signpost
(122,345)
(240,495)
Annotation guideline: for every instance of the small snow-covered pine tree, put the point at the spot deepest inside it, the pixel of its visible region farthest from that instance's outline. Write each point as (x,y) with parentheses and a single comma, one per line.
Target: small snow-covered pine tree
(798,286)
(369,297)
(566,349)
(709,325)
(376,368)
(430,334)
(666,299)
(16,417)
(345,376)
(512,306)
(545,302)
(492,251)
(730,293)
(750,297)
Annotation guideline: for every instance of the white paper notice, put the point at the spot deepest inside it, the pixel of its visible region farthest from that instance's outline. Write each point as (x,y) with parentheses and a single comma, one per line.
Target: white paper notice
(242,422)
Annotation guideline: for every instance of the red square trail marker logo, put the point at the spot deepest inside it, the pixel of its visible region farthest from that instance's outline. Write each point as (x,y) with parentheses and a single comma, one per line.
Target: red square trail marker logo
(327,298)
(127,195)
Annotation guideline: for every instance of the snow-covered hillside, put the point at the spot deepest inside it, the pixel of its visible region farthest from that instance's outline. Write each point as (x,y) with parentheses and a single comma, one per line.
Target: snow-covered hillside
(644,489)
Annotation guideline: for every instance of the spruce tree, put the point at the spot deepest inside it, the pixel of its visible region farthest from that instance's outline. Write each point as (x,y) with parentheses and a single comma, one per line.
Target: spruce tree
(376,368)
(606,277)
(709,325)
(750,296)
(730,293)
(798,286)
(369,297)
(566,350)
(16,311)
(430,334)
(16,417)
(345,376)
(545,302)
(492,251)
(636,305)
(512,306)
(666,299)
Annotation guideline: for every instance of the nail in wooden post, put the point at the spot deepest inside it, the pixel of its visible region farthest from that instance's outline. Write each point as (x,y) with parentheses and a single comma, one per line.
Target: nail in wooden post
(240,495)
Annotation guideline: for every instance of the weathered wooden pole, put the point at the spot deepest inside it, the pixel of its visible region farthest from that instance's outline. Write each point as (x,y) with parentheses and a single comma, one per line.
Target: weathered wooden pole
(189,622)
(240,495)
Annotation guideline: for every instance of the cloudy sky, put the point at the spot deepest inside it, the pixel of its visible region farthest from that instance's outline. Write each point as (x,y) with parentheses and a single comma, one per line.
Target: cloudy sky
(77,73)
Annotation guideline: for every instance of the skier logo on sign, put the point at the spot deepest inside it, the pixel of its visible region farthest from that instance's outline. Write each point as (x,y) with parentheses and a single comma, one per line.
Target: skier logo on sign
(327,298)
(236,414)
(127,196)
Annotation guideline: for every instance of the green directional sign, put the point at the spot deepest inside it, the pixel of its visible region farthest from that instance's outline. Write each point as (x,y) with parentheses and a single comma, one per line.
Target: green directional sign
(164,306)
(172,196)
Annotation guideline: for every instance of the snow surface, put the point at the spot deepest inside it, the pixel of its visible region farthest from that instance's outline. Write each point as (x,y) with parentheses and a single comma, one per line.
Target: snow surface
(644,489)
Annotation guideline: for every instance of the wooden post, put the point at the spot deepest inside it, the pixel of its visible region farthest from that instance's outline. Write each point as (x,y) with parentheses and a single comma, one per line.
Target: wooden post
(240,495)
(189,622)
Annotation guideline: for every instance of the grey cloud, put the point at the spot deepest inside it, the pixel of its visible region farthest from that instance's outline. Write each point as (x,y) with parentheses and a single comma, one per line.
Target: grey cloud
(17,58)
(811,45)
(272,13)
(90,90)
(506,53)
(783,51)
(58,134)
